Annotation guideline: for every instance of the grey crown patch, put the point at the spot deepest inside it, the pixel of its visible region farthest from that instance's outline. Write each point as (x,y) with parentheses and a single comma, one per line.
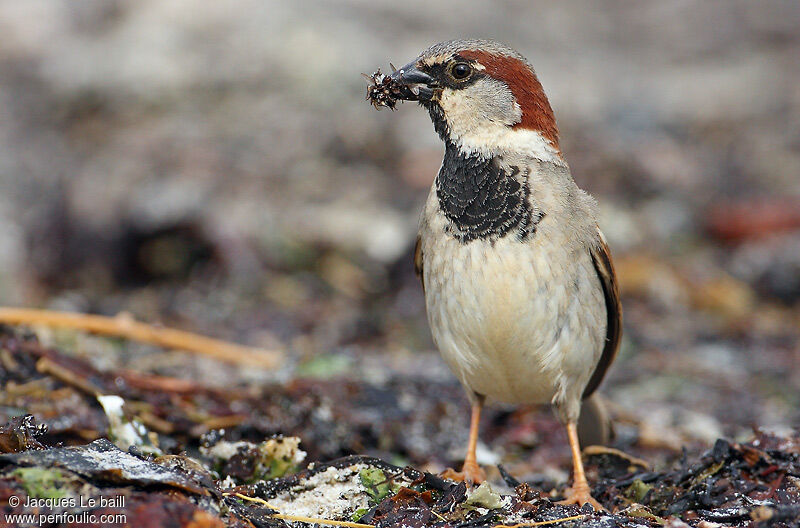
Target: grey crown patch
(482,199)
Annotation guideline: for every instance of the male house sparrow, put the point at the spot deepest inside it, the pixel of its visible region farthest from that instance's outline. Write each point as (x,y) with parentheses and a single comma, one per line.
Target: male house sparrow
(519,286)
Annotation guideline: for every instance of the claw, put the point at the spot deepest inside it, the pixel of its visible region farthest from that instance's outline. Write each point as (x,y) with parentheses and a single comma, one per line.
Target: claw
(581,495)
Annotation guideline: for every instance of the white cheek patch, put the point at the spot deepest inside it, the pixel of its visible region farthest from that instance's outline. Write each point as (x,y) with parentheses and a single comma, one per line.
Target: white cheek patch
(480,129)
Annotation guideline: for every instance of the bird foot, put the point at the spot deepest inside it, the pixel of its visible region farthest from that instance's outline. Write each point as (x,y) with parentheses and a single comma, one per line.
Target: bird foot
(580,495)
(471,473)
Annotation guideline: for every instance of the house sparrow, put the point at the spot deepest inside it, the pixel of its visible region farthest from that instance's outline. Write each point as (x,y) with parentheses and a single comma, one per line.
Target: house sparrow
(519,286)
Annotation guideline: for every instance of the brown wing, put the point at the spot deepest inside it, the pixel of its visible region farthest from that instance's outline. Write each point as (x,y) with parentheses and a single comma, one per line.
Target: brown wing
(418,261)
(601,257)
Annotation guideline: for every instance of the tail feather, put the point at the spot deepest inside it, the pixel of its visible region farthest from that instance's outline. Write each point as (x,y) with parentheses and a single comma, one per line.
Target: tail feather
(594,424)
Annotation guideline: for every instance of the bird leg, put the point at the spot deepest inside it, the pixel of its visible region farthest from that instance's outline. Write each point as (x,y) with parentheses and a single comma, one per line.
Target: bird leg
(471,473)
(579,493)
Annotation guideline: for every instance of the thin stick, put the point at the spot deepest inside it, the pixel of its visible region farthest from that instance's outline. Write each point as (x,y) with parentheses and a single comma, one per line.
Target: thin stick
(310,520)
(541,523)
(126,327)
(257,500)
(152,382)
(64,375)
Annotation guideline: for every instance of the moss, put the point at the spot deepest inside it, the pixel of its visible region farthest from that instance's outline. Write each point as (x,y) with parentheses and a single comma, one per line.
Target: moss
(358,514)
(377,485)
(43,483)
(637,510)
(637,491)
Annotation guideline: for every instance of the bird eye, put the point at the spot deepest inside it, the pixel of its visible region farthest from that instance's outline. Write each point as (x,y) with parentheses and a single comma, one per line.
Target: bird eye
(461,70)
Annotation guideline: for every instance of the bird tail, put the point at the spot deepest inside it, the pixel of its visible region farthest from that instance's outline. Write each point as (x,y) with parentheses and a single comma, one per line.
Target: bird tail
(594,425)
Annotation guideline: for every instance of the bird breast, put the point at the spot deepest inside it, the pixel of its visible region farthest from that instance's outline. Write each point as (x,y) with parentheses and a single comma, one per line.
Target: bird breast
(519,321)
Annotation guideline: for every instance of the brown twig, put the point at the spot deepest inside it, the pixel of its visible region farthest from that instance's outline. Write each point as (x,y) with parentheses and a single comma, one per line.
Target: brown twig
(66,376)
(127,327)
(152,382)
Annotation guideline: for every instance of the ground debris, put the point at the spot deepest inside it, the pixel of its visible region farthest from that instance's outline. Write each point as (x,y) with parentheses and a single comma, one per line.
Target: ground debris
(103,461)
(730,484)
(244,462)
(333,417)
(727,484)
(20,434)
(247,462)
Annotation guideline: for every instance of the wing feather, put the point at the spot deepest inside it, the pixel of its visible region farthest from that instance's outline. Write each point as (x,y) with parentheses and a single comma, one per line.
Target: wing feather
(601,257)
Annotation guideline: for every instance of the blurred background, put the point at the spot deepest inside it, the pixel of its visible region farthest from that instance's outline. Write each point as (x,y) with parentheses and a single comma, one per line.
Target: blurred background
(214,166)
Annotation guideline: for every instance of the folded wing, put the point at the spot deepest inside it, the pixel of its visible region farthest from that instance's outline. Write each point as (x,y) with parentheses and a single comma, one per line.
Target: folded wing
(601,257)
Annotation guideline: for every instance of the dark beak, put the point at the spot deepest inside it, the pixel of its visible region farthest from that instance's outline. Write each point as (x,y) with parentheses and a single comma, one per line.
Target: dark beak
(416,85)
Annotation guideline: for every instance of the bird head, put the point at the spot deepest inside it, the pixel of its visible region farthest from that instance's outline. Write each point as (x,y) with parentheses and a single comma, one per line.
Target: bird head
(483,98)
